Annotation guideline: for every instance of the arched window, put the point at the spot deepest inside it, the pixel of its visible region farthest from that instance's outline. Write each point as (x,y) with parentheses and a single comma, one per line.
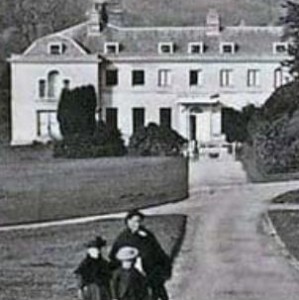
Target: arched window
(278,77)
(53,84)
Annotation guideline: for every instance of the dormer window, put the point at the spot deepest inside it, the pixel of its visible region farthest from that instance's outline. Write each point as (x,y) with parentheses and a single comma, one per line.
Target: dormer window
(196,48)
(280,48)
(111,48)
(227,48)
(165,48)
(55,49)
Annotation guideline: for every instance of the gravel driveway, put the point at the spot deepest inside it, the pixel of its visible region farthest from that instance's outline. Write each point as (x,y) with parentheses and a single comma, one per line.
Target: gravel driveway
(226,254)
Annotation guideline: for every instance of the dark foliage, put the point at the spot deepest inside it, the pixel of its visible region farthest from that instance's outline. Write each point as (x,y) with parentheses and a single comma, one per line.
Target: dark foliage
(285,100)
(273,133)
(234,122)
(155,140)
(103,142)
(4,116)
(291,23)
(76,111)
(82,137)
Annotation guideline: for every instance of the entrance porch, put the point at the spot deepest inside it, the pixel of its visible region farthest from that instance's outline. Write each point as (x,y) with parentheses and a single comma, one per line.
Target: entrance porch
(200,123)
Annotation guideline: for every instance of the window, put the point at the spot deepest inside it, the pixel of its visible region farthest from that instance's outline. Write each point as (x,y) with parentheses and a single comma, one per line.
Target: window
(53,83)
(111,77)
(280,48)
(137,77)
(138,118)
(195,78)
(165,48)
(42,88)
(164,78)
(277,78)
(55,49)
(226,77)
(281,77)
(111,117)
(227,48)
(47,124)
(253,77)
(111,48)
(195,48)
(165,117)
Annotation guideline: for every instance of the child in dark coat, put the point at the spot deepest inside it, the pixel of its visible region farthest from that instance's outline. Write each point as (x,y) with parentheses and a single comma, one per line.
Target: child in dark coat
(127,282)
(94,273)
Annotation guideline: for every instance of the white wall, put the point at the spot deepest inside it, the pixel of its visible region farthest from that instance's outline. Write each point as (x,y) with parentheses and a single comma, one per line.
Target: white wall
(25,100)
(124,96)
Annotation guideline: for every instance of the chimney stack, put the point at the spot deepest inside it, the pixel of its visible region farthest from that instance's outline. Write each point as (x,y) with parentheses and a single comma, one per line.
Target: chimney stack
(213,25)
(104,12)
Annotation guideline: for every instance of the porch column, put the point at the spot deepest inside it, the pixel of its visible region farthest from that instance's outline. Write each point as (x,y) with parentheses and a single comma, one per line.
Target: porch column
(216,121)
(183,118)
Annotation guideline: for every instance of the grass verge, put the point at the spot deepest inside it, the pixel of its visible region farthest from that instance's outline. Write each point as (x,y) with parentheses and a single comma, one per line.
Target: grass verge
(33,190)
(286,223)
(38,264)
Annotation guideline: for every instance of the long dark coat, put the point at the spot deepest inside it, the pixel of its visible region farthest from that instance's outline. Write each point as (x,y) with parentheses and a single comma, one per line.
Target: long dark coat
(155,262)
(129,285)
(94,276)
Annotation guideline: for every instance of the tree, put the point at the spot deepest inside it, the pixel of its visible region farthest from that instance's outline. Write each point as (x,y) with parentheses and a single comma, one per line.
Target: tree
(234,122)
(82,136)
(31,21)
(291,23)
(76,111)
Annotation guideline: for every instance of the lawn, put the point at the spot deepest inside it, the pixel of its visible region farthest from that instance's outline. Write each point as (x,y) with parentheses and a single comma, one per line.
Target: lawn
(286,223)
(36,187)
(38,264)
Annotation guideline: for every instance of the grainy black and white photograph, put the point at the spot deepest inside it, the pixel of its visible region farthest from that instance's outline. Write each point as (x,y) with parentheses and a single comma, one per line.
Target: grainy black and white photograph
(149,149)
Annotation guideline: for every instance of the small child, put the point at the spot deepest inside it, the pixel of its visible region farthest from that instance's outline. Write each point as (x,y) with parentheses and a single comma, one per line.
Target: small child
(127,282)
(94,273)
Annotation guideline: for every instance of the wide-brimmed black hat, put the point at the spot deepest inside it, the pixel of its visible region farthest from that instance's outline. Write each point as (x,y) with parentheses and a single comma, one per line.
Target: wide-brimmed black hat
(98,242)
(134,212)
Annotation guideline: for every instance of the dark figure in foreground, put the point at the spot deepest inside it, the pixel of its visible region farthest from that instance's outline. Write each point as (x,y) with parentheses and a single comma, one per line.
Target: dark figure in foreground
(94,273)
(127,282)
(155,263)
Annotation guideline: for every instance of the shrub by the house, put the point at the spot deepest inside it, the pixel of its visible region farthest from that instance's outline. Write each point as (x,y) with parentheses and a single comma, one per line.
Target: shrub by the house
(83,137)
(273,132)
(155,140)
(234,122)
(76,111)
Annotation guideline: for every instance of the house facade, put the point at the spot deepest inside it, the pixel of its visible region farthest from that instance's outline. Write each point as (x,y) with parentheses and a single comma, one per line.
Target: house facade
(177,76)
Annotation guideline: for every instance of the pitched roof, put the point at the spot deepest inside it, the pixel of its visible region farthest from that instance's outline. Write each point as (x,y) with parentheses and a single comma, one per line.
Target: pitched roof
(254,41)
(144,40)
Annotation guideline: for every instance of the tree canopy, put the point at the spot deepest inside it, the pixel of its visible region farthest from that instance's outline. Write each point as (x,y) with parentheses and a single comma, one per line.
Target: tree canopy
(291,23)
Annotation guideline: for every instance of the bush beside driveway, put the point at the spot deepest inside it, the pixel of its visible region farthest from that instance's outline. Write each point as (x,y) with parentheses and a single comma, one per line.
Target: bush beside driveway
(56,189)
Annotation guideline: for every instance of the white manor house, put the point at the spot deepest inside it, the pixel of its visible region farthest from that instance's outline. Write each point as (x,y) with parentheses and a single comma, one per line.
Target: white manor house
(178,76)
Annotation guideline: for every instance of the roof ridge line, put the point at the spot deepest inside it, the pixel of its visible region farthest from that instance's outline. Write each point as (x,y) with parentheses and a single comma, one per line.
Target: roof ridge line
(163,28)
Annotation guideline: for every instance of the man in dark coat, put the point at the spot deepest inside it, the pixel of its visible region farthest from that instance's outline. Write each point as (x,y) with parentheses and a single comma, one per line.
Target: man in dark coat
(94,273)
(155,262)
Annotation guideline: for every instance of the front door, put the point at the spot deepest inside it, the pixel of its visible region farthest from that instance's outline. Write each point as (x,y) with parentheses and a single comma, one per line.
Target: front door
(193,127)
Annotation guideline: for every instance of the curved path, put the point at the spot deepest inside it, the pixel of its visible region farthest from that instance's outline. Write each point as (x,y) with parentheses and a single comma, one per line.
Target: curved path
(225,254)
